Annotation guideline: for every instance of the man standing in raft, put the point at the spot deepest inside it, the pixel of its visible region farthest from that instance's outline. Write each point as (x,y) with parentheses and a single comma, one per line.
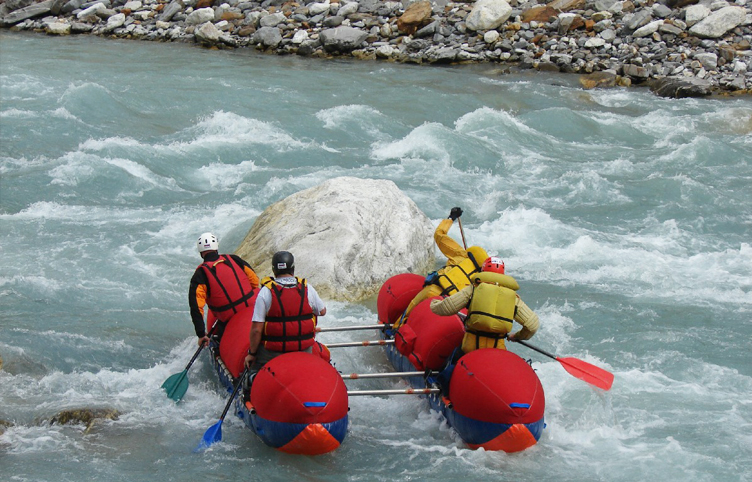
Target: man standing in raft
(284,318)
(492,304)
(461,264)
(226,283)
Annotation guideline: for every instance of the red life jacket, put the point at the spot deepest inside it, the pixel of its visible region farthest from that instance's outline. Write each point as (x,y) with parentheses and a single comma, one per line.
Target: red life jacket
(290,324)
(229,289)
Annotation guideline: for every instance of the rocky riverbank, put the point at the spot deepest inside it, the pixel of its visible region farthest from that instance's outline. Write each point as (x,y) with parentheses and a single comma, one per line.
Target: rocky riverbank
(679,47)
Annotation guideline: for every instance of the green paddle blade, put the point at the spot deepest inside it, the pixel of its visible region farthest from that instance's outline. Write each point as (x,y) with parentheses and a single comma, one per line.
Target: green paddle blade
(176,385)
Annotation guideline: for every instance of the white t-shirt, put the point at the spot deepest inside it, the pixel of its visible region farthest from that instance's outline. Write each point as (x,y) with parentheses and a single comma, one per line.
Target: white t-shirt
(264,299)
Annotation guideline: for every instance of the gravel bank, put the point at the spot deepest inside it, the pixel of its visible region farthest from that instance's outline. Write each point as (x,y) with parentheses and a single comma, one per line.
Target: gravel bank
(680,48)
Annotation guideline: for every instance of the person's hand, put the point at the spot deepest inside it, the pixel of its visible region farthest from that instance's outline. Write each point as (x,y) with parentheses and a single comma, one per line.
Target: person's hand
(203,341)
(248,361)
(455,213)
(510,337)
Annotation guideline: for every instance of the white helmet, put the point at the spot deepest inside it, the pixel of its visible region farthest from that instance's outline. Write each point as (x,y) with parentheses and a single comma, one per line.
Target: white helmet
(207,242)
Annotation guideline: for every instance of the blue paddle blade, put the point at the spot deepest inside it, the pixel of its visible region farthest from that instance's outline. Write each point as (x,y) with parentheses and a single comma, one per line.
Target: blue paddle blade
(212,435)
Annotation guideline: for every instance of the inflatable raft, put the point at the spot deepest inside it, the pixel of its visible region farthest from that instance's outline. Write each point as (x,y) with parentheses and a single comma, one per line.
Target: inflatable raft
(492,398)
(298,401)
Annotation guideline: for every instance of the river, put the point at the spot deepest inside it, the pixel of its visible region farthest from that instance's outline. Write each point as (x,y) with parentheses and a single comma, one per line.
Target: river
(626,218)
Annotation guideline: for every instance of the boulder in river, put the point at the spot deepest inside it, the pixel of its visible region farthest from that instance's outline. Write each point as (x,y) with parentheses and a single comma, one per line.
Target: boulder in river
(348,236)
(84,416)
(4,424)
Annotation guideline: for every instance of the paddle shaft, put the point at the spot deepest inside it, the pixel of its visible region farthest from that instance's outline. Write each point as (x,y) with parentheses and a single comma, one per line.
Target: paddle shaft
(462,232)
(359,343)
(195,355)
(201,347)
(234,392)
(539,350)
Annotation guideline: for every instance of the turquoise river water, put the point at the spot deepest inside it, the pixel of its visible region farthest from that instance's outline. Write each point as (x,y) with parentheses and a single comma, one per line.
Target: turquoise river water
(627,219)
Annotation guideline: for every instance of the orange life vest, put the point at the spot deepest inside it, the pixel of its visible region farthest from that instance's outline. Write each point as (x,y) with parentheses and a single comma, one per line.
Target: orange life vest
(290,323)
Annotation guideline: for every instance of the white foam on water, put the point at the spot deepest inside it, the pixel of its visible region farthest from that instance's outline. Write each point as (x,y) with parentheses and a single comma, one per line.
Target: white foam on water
(613,97)
(77,341)
(18,114)
(669,265)
(590,188)
(60,113)
(227,129)
(685,154)
(669,129)
(84,90)
(362,122)
(33,283)
(227,176)
(22,165)
(181,226)
(143,173)
(72,172)
(425,142)
(343,115)
(513,83)
(39,440)
(77,167)
(621,165)
(83,214)
(24,87)
(63,113)
(485,122)
(136,394)
(108,143)
(735,121)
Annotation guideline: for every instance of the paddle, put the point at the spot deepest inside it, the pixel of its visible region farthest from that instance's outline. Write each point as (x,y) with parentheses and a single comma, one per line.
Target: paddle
(462,232)
(577,368)
(177,384)
(214,433)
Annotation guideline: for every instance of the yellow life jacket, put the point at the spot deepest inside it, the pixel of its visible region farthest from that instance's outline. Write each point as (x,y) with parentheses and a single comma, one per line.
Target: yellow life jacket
(456,277)
(490,312)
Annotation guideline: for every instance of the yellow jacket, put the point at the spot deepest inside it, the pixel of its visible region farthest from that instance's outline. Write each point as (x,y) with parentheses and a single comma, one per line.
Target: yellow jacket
(521,313)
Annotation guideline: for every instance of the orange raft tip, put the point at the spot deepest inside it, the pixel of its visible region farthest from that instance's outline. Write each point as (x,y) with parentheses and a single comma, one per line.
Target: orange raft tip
(312,440)
(515,439)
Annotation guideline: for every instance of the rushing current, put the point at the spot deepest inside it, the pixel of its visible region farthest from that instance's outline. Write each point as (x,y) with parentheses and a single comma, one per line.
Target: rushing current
(626,218)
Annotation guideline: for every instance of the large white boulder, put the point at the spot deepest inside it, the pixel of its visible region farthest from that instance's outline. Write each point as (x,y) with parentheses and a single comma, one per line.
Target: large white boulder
(58,28)
(348,236)
(200,16)
(92,10)
(488,15)
(719,22)
(695,13)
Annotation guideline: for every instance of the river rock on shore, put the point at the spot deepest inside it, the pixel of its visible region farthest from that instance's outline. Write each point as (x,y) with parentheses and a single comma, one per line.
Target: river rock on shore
(348,236)
(637,40)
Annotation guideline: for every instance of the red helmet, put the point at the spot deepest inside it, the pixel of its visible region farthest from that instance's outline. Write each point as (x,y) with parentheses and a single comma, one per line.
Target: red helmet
(493,265)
